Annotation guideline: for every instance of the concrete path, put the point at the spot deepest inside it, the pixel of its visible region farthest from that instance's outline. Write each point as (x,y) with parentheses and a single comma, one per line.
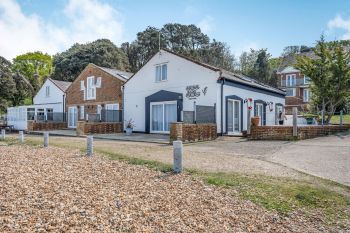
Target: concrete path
(326,157)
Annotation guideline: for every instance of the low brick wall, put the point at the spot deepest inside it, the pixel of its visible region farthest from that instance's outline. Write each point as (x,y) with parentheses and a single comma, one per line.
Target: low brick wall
(276,132)
(84,128)
(44,126)
(192,132)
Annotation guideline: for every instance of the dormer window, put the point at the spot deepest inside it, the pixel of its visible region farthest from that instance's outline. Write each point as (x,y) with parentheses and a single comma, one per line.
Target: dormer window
(91,88)
(161,72)
(47,91)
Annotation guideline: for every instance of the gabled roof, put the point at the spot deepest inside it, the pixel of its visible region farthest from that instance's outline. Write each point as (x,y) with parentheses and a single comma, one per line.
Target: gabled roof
(289,69)
(123,75)
(62,85)
(245,80)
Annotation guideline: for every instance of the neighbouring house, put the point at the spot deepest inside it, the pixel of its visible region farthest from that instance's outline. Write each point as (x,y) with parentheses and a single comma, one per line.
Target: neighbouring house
(174,88)
(48,106)
(96,96)
(297,87)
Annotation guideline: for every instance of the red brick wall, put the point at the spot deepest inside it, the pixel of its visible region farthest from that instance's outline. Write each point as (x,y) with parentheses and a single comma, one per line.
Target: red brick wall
(109,92)
(98,127)
(192,132)
(38,126)
(286,132)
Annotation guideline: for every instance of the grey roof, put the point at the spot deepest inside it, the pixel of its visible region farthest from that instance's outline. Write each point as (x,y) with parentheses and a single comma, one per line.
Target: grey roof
(123,75)
(239,78)
(62,85)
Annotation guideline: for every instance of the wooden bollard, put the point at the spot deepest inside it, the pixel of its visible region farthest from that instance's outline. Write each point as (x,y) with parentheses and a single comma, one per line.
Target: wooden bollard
(89,145)
(3,134)
(46,139)
(21,136)
(178,154)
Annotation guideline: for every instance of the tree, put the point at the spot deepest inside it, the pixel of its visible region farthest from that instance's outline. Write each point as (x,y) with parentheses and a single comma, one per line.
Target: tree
(187,40)
(102,52)
(7,84)
(35,67)
(294,49)
(24,89)
(329,72)
(262,66)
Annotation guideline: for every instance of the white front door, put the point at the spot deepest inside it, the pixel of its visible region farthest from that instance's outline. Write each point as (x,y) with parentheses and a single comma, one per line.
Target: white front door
(161,115)
(72,117)
(260,113)
(234,117)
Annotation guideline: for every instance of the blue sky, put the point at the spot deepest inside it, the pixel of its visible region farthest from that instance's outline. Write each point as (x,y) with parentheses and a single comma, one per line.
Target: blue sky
(53,26)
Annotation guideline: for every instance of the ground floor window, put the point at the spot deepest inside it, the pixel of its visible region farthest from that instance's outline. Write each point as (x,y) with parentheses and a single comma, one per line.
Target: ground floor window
(162,114)
(306,95)
(260,112)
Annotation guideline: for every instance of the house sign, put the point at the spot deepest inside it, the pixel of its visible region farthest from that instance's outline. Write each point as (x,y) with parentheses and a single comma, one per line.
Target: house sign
(193,91)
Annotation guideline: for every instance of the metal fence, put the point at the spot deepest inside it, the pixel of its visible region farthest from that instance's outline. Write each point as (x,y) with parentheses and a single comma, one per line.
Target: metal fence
(106,116)
(49,116)
(202,114)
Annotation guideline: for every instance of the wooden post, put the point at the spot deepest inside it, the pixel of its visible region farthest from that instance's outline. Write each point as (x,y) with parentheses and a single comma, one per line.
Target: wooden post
(90,145)
(3,134)
(295,121)
(46,139)
(178,153)
(21,136)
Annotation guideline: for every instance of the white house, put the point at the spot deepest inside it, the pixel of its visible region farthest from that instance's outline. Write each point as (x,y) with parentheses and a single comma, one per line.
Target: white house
(170,86)
(48,104)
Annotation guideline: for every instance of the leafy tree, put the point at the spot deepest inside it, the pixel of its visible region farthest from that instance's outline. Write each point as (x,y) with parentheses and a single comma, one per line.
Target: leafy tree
(35,67)
(7,84)
(187,40)
(102,52)
(262,66)
(294,49)
(329,72)
(24,89)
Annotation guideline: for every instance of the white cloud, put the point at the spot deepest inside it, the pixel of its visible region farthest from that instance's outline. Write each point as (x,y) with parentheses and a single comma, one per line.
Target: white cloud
(206,24)
(88,20)
(339,22)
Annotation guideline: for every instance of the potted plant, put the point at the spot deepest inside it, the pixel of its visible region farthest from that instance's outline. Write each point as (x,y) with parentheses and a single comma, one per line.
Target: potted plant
(129,127)
(255,120)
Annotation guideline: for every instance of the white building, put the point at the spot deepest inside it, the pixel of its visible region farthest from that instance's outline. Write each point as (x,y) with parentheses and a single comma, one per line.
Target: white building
(169,86)
(48,104)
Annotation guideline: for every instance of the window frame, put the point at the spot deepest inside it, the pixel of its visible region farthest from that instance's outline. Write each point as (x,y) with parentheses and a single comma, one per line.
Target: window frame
(47,91)
(294,92)
(161,73)
(91,88)
(82,112)
(293,79)
(308,95)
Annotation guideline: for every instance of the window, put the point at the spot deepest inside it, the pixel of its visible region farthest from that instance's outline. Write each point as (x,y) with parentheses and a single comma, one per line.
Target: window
(161,72)
(306,95)
(98,82)
(290,92)
(91,88)
(82,112)
(47,93)
(112,106)
(82,86)
(291,80)
(306,79)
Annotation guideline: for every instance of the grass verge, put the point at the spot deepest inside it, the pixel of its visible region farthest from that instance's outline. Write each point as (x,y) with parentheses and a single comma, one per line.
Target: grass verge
(284,195)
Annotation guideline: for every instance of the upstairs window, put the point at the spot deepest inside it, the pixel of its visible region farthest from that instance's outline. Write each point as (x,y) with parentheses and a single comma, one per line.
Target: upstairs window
(306,95)
(291,92)
(161,72)
(47,91)
(291,80)
(91,88)
(306,80)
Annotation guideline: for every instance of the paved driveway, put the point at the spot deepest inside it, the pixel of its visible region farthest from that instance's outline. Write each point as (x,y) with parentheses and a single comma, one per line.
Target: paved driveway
(327,157)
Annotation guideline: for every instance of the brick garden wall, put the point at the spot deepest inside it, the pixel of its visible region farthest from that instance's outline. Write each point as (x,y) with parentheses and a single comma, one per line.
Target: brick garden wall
(84,128)
(192,132)
(38,126)
(286,132)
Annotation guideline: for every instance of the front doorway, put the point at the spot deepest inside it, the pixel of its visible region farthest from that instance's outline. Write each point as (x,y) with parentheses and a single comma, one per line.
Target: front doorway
(234,117)
(72,117)
(161,115)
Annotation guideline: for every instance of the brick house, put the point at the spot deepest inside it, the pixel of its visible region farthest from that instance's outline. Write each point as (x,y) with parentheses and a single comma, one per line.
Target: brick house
(93,93)
(296,84)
